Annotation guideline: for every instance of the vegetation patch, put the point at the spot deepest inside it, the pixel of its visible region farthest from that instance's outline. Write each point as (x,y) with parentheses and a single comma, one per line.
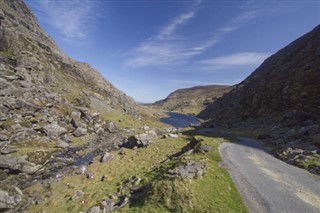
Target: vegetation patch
(213,192)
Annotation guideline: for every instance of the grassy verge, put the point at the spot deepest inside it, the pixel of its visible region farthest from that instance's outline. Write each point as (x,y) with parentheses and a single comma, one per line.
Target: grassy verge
(214,192)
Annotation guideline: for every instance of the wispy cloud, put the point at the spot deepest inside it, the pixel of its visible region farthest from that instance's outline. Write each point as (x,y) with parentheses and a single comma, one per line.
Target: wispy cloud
(167,48)
(238,59)
(167,31)
(70,18)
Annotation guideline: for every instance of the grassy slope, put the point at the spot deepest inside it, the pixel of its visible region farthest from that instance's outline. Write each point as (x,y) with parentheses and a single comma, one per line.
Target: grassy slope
(191,100)
(215,192)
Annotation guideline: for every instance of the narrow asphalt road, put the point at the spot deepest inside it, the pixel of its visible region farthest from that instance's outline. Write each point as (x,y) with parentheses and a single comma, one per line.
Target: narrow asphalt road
(268,184)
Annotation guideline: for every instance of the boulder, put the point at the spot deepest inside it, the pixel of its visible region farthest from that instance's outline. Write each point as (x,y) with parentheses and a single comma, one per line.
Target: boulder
(94,209)
(189,171)
(16,164)
(146,128)
(122,151)
(171,135)
(82,170)
(4,138)
(63,145)
(108,204)
(75,115)
(191,145)
(77,123)
(18,137)
(194,141)
(140,140)
(203,148)
(107,157)
(8,202)
(80,132)
(8,149)
(111,127)
(54,130)
(122,202)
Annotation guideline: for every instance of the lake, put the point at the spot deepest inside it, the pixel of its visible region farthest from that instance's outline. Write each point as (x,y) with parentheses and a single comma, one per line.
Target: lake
(179,120)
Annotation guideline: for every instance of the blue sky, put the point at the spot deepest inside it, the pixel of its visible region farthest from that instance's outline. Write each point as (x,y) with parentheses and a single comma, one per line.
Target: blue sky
(150,48)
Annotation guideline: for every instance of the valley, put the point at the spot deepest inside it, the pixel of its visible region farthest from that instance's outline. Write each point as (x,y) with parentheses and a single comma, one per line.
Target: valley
(70,141)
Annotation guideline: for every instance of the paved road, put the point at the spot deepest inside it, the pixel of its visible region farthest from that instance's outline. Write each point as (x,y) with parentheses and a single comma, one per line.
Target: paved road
(268,184)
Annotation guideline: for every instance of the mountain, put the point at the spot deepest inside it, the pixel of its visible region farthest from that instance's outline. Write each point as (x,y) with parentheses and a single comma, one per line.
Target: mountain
(53,110)
(191,100)
(27,49)
(281,100)
(286,82)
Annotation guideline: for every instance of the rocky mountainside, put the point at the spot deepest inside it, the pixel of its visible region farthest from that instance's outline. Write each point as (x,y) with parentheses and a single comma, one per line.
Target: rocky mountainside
(282,97)
(288,81)
(27,50)
(55,113)
(191,100)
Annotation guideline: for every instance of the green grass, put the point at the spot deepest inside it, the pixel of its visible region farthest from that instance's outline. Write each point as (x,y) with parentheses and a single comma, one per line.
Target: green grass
(310,161)
(215,192)
(131,121)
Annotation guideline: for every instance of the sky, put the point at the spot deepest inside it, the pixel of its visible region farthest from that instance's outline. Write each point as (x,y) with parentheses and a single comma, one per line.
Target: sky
(148,49)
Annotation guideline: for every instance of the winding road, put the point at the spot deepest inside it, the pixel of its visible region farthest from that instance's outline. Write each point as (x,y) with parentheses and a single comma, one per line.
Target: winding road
(268,184)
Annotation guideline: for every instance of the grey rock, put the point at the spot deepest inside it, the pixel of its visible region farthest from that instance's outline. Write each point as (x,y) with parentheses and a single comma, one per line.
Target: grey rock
(146,128)
(107,157)
(191,145)
(80,132)
(90,175)
(8,149)
(77,123)
(122,151)
(54,130)
(75,115)
(3,175)
(203,148)
(16,164)
(152,133)
(189,171)
(50,119)
(18,137)
(100,131)
(94,209)
(140,140)
(4,138)
(171,135)
(16,127)
(108,204)
(4,117)
(63,145)
(111,127)
(7,202)
(82,170)
(123,201)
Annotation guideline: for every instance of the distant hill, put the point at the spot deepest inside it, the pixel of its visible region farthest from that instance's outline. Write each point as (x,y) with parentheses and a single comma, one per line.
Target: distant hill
(286,82)
(191,100)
